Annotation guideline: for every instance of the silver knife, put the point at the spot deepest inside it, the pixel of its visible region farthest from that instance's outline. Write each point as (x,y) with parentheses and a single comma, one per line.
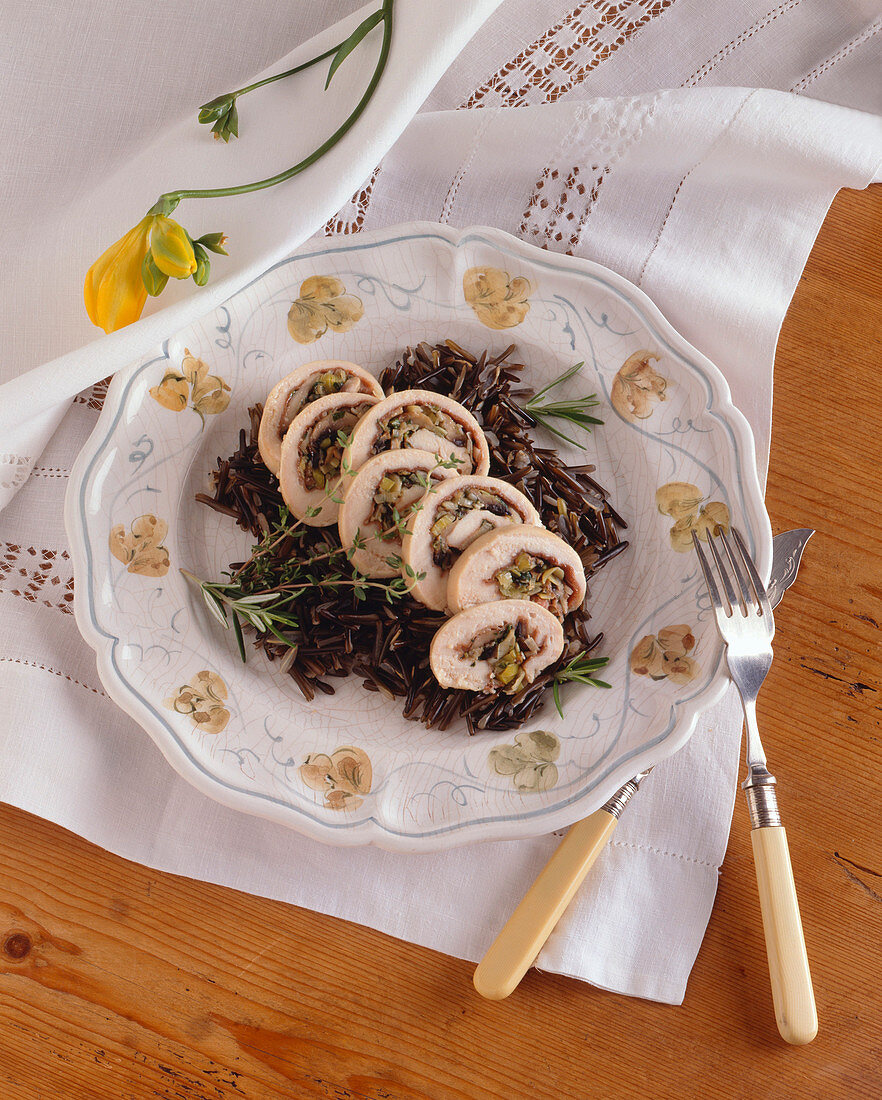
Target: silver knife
(515,949)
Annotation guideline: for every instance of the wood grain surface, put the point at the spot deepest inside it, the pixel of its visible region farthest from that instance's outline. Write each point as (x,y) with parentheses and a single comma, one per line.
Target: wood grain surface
(120,983)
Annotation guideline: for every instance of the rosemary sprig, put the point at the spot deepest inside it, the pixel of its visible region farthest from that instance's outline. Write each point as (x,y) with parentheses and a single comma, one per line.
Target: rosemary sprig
(580,670)
(572,409)
(265,611)
(268,609)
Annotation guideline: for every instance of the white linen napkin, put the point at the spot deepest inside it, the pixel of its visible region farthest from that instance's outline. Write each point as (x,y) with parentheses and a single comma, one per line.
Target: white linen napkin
(710,198)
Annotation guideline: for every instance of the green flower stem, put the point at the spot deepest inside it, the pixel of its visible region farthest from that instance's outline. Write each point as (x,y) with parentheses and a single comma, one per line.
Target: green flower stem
(281,76)
(170,199)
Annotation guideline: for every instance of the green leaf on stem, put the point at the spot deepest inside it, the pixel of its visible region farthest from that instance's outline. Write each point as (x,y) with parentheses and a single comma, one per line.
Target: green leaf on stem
(345,48)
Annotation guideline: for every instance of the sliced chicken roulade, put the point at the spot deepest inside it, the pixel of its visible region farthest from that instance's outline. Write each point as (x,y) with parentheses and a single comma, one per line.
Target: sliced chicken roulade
(518,563)
(452,516)
(426,421)
(312,453)
(300,388)
(499,646)
(377,499)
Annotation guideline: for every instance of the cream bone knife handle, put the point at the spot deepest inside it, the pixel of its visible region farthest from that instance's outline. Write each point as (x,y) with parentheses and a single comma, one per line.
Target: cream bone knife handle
(514,950)
(792,993)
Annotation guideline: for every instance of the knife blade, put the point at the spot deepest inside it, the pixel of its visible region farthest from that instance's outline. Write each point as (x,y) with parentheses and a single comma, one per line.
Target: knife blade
(514,950)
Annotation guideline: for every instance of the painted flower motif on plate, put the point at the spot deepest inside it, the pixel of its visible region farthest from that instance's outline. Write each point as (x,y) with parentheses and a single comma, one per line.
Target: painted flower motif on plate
(664,656)
(342,778)
(140,549)
(323,304)
(209,393)
(637,387)
(499,301)
(684,503)
(529,761)
(203,700)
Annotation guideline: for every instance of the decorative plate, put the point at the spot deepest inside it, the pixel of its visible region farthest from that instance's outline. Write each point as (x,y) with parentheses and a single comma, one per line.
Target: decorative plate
(348,768)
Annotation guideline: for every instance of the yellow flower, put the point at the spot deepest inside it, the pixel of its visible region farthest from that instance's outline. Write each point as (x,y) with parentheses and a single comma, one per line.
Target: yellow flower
(171,248)
(141,262)
(114,291)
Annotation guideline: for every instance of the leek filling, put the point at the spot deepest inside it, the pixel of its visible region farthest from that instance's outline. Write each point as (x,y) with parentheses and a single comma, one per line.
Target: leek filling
(394,432)
(506,650)
(536,579)
(392,488)
(331,381)
(454,508)
(321,450)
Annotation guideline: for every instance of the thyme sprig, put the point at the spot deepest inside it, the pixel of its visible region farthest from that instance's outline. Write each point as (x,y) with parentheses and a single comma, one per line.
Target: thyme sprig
(572,409)
(580,669)
(263,591)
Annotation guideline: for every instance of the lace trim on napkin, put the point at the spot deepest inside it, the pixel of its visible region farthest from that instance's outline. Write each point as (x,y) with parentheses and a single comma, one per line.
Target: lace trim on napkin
(94,398)
(14,470)
(563,56)
(35,574)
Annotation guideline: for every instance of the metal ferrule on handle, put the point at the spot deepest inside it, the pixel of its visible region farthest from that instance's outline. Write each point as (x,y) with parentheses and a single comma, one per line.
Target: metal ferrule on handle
(622,797)
(762,800)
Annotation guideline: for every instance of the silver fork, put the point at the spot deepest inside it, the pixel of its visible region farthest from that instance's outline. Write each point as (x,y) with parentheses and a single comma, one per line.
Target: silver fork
(745,621)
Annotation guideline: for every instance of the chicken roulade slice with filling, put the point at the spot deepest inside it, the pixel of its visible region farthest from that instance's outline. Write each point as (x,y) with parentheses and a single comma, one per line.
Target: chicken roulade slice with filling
(425,421)
(312,453)
(452,516)
(377,500)
(499,646)
(518,563)
(300,388)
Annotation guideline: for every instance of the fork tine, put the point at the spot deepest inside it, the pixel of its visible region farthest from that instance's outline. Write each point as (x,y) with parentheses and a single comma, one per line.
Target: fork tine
(712,589)
(724,576)
(748,599)
(758,586)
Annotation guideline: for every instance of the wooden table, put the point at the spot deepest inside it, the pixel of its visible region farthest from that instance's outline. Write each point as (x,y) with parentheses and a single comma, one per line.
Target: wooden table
(119,982)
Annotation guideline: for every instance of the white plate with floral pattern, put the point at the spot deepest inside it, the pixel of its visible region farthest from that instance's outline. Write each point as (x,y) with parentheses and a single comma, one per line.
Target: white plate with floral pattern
(349,769)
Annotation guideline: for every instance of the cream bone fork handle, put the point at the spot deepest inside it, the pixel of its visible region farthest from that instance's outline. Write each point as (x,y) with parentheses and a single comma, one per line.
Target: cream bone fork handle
(744,618)
(515,949)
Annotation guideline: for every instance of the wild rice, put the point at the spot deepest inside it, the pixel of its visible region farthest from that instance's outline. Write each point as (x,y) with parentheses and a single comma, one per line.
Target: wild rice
(388,645)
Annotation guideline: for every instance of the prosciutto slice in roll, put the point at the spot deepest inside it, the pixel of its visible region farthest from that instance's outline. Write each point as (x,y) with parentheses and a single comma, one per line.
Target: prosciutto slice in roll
(377,499)
(452,516)
(300,388)
(518,563)
(312,453)
(425,421)
(499,646)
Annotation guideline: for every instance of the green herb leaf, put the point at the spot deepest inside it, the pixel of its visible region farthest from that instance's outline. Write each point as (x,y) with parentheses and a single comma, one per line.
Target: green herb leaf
(574,410)
(240,641)
(578,670)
